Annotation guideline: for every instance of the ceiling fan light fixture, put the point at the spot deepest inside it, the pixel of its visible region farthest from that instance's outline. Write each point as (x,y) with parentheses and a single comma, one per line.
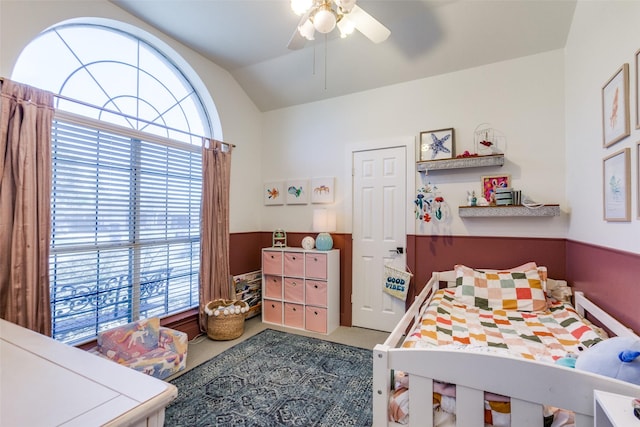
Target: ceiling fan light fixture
(301,6)
(346,5)
(346,26)
(324,20)
(307,30)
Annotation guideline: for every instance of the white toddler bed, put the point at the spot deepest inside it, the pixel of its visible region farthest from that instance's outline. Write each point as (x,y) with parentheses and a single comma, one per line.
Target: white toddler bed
(530,384)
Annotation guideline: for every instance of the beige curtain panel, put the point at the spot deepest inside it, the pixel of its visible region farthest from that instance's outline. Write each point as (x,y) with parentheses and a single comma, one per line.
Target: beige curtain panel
(26,116)
(215,276)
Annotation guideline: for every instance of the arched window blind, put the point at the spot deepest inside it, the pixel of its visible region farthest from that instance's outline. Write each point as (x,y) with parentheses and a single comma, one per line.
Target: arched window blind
(126,178)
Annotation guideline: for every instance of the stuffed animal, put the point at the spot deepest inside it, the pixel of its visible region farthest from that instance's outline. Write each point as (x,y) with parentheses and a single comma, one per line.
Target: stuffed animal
(616,357)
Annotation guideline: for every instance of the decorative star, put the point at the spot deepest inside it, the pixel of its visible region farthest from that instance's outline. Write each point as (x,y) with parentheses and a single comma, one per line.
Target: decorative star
(438,145)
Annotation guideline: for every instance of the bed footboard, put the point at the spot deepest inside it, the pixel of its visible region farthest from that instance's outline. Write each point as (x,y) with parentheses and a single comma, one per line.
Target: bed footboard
(529,384)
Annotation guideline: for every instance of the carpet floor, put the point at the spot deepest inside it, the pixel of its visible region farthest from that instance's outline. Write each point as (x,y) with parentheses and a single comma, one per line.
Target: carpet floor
(277,379)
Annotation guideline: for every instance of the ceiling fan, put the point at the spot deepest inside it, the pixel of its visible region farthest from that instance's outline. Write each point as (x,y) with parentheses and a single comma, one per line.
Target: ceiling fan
(325,15)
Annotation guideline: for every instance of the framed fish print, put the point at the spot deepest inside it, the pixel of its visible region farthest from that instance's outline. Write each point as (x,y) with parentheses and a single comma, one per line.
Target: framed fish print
(272,193)
(297,192)
(615,107)
(436,144)
(616,186)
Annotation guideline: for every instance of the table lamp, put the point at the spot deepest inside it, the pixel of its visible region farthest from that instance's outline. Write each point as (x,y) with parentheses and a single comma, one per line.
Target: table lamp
(324,221)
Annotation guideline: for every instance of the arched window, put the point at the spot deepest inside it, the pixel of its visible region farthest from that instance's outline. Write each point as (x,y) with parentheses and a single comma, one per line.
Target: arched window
(126,177)
(116,71)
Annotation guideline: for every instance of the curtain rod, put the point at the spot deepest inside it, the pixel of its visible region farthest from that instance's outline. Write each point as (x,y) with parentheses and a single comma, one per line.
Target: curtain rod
(86,104)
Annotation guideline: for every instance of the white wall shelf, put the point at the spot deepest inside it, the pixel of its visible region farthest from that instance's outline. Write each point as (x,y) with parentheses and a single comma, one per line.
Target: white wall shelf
(507,211)
(460,163)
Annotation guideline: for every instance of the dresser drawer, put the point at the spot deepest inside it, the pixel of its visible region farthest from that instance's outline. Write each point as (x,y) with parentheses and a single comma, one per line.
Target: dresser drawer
(316,265)
(273,287)
(294,315)
(294,264)
(293,289)
(316,319)
(272,262)
(316,293)
(272,311)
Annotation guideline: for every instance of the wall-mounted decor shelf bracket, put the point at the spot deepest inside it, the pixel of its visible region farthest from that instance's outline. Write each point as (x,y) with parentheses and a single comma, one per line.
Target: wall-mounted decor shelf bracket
(507,211)
(460,163)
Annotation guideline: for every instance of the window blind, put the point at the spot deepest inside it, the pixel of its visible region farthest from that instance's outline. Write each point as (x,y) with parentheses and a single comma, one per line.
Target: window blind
(125,241)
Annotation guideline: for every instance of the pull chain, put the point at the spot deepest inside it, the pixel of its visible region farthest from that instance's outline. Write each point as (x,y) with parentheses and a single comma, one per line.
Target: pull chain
(325,62)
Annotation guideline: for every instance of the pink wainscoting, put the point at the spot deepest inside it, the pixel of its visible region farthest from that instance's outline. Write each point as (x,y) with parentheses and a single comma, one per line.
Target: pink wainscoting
(609,277)
(426,254)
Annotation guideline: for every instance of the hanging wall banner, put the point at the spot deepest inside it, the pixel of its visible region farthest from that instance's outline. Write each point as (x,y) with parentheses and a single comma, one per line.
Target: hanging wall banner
(396,282)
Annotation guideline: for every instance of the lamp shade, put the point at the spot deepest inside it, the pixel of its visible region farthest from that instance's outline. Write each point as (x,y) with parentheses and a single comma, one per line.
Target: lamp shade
(324,221)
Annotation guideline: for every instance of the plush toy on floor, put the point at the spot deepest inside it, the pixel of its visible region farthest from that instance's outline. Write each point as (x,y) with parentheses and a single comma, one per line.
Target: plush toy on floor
(616,357)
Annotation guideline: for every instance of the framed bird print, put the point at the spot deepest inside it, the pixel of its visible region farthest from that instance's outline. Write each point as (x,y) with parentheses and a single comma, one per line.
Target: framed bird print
(615,107)
(616,186)
(637,89)
(436,144)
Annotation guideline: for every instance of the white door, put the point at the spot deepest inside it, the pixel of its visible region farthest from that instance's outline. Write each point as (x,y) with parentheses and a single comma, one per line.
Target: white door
(379,228)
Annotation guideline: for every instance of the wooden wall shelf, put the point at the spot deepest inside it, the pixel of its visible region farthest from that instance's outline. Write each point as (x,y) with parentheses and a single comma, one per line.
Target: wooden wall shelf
(460,163)
(507,211)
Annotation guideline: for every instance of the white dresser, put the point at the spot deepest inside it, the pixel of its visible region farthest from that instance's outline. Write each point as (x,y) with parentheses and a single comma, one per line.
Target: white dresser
(46,383)
(301,288)
(613,410)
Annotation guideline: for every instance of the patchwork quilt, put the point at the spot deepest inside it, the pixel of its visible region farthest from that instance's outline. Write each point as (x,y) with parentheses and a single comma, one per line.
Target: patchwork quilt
(544,335)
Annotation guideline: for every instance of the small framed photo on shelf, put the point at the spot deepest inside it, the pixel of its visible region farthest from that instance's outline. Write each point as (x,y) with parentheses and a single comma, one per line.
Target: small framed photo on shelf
(436,144)
(615,107)
(491,183)
(272,193)
(297,192)
(616,186)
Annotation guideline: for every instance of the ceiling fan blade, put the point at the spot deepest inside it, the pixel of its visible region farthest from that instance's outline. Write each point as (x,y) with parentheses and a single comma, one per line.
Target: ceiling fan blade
(297,41)
(368,25)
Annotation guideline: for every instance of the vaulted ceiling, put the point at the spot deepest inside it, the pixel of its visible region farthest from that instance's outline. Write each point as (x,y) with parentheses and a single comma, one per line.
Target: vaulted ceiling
(428,37)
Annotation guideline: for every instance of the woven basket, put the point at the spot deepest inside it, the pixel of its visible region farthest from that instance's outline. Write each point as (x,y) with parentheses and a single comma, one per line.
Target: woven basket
(225,327)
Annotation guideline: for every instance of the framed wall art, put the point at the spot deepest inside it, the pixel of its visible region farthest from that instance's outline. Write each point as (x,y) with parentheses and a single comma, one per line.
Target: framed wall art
(322,190)
(637,60)
(272,193)
(638,176)
(297,192)
(436,144)
(491,183)
(615,107)
(616,186)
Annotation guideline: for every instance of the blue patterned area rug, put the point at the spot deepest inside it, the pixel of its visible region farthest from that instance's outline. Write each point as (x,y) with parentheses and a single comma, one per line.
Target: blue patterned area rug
(277,379)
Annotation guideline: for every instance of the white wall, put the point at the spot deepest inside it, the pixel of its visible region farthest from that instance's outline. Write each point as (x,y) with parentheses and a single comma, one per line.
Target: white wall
(523,98)
(21,21)
(604,35)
